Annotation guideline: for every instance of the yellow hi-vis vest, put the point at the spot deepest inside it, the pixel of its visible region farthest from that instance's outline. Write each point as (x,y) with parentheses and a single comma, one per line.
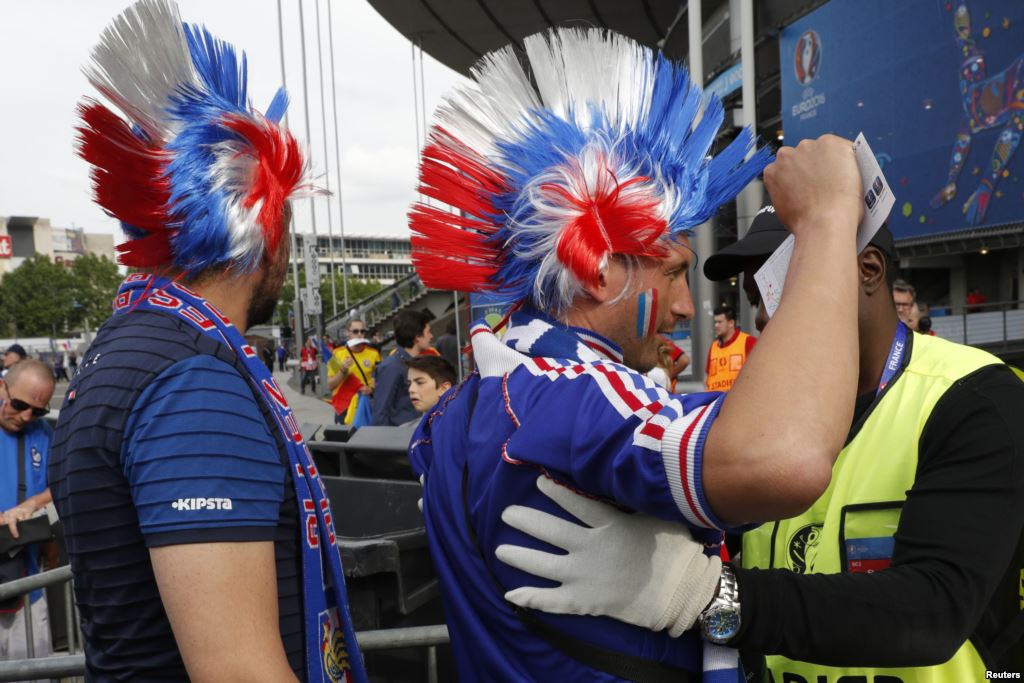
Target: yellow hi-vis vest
(850,528)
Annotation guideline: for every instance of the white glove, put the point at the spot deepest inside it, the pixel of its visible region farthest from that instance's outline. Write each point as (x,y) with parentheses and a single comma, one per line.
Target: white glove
(634,568)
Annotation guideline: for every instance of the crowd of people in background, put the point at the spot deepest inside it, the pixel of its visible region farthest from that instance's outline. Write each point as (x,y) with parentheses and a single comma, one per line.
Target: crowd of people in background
(353,363)
(365,387)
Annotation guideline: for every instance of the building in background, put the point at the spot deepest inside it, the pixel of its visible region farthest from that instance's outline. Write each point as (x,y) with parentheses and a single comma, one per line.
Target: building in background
(385,259)
(23,237)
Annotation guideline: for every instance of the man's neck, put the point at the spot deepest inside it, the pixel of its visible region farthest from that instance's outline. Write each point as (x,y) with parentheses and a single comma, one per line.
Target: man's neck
(231,295)
(722,341)
(875,344)
(412,350)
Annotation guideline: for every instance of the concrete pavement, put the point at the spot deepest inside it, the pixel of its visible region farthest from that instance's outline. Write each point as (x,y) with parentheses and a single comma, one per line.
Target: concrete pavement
(308,407)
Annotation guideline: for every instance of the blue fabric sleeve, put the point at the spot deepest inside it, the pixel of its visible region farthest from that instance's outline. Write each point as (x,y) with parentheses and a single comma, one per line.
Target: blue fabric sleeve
(200,460)
(616,434)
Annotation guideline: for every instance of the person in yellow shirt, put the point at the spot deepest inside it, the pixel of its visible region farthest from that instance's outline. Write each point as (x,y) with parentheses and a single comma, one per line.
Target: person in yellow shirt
(350,372)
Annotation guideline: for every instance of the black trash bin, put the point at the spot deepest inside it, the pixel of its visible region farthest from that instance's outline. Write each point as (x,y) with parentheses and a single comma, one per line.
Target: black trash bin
(388,570)
(369,452)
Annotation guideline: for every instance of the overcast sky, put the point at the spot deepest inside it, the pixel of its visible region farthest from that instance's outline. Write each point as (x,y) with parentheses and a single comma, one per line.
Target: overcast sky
(47,41)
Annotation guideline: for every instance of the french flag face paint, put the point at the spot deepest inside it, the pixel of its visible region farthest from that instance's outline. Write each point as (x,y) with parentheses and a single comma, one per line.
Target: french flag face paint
(647,313)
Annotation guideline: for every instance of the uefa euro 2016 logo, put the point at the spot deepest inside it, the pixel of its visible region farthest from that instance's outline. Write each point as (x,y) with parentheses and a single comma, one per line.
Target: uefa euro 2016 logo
(807,57)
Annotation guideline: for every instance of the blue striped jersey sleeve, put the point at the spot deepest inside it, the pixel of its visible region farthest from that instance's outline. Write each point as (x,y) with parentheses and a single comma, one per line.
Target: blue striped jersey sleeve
(200,460)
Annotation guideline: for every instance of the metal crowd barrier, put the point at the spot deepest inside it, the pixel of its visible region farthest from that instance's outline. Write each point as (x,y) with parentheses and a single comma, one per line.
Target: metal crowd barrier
(24,587)
(58,666)
(990,325)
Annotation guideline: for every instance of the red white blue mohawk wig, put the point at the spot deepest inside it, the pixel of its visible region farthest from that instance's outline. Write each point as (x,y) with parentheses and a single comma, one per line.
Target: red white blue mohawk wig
(601,158)
(197,178)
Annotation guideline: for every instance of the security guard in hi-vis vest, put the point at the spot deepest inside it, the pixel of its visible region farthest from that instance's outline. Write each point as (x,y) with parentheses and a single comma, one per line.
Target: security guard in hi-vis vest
(729,351)
(910,565)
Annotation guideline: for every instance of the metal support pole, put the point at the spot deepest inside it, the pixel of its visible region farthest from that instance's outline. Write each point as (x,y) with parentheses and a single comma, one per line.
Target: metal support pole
(1004,326)
(337,160)
(415,100)
(327,164)
(398,638)
(78,626)
(18,587)
(30,641)
(432,664)
(423,93)
(297,305)
(746,19)
(69,617)
(749,201)
(57,666)
(704,291)
(458,334)
(318,323)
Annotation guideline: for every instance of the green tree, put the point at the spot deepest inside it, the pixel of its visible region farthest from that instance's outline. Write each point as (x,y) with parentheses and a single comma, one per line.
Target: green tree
(357,291)
(36,299)
(96,280)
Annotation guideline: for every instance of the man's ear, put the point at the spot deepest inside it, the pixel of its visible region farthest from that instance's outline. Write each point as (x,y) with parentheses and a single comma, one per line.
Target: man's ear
(871,265)
(445,386)
(602,291)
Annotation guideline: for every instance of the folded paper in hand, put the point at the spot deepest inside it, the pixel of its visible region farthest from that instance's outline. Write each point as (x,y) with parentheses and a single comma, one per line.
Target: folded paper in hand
(878,202)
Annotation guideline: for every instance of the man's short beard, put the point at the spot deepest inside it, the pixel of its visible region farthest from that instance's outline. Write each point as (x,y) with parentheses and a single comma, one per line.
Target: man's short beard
(263,303)
(640,355)
(268,288)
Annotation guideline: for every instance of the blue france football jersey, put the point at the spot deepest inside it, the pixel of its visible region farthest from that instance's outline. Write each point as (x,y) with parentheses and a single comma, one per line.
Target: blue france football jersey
(551,401)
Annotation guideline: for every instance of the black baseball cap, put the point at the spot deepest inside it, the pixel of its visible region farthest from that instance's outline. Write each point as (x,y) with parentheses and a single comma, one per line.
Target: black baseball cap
(764,237)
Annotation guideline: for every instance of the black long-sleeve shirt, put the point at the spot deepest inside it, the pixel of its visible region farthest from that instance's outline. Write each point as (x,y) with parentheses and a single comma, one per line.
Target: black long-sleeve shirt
(958,564)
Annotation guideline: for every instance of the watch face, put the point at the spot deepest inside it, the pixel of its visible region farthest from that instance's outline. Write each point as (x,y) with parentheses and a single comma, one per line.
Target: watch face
(722,624)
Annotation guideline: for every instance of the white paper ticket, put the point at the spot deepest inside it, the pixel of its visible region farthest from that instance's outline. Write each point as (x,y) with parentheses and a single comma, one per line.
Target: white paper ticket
(878,202)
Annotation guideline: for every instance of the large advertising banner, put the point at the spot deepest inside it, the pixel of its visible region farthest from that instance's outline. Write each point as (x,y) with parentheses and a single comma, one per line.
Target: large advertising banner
(937,87)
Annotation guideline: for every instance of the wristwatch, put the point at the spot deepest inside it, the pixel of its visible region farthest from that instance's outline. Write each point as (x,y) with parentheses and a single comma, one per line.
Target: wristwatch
(720,621)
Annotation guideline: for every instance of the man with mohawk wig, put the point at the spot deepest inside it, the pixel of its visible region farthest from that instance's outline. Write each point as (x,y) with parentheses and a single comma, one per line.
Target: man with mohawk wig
(575,204)
(199,534)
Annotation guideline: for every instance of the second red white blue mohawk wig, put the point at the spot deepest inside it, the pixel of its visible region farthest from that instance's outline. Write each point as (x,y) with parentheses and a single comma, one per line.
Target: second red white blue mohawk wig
(197,177)
(601,158)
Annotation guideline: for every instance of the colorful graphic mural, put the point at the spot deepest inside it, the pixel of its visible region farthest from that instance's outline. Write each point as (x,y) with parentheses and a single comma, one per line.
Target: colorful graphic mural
(937,87)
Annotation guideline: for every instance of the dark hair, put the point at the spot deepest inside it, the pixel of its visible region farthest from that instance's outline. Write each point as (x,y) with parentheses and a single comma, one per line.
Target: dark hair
(17,349)
(438,368)
(408,326)
(924,324)
(902,285)
(728,311)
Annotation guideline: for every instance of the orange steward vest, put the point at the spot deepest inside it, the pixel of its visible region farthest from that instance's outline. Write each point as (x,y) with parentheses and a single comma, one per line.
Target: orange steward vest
(724,362)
